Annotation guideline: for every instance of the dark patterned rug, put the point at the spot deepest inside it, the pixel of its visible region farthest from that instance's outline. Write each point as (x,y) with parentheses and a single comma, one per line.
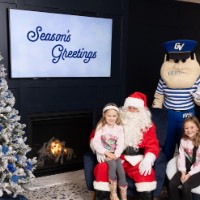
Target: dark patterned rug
(66,191)
(65,186)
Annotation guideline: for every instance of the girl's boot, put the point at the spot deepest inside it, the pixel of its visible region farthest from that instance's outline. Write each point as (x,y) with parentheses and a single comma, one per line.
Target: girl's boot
(113,190)
(123,192)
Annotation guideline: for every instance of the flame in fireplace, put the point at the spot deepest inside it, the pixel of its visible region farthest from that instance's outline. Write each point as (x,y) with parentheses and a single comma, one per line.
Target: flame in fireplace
(55,150)
(65,150)
(56,147)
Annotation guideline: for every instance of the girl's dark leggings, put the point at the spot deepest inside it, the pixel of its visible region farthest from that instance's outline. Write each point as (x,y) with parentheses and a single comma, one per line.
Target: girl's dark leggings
(184,193)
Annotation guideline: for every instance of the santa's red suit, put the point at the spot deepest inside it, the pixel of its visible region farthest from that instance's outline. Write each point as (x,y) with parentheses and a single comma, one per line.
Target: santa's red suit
(141,147)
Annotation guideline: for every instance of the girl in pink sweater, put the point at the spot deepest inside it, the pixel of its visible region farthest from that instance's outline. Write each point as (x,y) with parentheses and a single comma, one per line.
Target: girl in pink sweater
(188,174)
(109,141)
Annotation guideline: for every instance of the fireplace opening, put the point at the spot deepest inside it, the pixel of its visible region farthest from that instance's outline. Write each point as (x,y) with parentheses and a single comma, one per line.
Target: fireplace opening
(59,140)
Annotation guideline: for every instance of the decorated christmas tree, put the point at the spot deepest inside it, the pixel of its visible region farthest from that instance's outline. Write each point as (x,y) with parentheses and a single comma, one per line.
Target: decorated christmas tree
(16,169)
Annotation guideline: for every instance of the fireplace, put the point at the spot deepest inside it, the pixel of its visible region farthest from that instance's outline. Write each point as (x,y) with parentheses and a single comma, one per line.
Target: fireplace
(59,140)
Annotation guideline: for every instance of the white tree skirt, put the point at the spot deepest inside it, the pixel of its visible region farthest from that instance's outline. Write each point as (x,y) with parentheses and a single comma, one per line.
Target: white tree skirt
(64,186)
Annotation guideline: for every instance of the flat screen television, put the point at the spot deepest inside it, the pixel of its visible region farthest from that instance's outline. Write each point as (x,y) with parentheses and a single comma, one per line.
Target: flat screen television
(52,45)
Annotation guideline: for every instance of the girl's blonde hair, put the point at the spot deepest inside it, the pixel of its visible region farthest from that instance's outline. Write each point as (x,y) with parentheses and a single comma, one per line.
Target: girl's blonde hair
(107,107)
(196,139)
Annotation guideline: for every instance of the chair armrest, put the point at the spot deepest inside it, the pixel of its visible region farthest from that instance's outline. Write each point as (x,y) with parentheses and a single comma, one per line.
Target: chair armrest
(172,167)
(160,170)
(90,162)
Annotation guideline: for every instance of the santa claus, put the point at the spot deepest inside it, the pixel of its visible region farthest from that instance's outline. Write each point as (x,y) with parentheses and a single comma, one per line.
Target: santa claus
(141,149)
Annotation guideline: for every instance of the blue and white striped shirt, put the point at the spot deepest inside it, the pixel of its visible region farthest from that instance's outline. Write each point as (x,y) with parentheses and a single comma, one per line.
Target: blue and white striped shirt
(177,99)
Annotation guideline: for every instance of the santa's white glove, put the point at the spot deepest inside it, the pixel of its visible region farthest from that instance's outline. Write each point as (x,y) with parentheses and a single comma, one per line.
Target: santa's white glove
(101,157)
(146,164)
(196,94)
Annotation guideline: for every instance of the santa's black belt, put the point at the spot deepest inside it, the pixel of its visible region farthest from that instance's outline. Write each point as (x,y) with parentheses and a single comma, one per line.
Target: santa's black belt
(133,151)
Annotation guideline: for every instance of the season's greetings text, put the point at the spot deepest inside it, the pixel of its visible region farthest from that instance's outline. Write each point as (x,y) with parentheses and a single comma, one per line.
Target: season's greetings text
(60,52)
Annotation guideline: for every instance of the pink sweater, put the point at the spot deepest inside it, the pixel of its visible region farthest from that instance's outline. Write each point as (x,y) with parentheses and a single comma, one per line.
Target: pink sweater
(186,149)
(109,139)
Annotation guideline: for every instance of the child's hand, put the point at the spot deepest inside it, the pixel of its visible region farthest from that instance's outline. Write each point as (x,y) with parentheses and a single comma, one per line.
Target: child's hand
(111,156)
(107,159)
(184,177)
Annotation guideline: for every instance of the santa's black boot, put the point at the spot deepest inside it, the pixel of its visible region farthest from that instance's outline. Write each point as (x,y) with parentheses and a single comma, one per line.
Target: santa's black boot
(101,195)
(145,196)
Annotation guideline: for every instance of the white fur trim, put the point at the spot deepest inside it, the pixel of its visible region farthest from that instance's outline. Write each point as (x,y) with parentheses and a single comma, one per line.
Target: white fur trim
(133,160)
(150,156)
(135,102)
(146,186)
(105,186)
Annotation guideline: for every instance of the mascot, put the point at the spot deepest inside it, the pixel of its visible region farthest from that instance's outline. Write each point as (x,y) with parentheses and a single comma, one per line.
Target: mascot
(140,151)
(178,89)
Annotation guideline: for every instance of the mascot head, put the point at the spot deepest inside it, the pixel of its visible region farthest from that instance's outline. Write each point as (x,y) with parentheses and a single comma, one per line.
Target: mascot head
(180,68)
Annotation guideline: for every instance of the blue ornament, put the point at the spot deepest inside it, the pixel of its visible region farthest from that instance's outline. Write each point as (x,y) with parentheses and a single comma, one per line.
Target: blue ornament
(11,168)
(17,157)
(28,166)
(14,178)
(4,149)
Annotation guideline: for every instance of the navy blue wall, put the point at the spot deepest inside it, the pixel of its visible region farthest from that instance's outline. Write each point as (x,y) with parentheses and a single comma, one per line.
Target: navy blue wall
(62,95)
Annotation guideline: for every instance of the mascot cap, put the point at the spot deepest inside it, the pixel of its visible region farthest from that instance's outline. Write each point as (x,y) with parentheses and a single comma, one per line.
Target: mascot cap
(137,100)
(180,46)
(179,49)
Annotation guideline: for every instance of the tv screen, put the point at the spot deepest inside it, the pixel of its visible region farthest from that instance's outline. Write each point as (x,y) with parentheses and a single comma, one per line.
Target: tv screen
(45,45)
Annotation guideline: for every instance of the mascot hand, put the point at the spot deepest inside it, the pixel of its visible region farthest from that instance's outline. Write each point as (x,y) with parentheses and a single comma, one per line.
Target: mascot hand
(158,100)
(146,164)
(196,94)
(101,157)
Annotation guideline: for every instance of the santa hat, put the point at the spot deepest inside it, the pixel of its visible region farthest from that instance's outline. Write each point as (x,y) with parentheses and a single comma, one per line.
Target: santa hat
(137,100)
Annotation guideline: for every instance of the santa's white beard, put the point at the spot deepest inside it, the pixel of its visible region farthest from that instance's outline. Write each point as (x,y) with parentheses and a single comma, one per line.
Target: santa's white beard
(135,125)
